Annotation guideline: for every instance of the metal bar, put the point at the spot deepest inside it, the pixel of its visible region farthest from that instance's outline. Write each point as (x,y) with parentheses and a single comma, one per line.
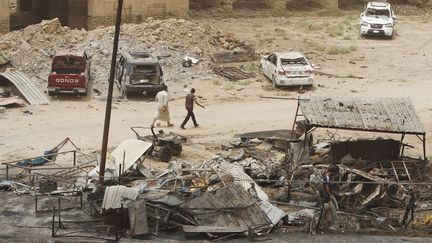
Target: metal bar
(53,223)
(74,158)
(41,156)
(110,92)
(36,204)
(406,170)
(295,120)
(109,96)
(394,170)
(281,98)
(424,147)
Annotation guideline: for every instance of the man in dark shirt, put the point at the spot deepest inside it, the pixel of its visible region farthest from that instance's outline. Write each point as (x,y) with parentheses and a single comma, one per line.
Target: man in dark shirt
(189,104)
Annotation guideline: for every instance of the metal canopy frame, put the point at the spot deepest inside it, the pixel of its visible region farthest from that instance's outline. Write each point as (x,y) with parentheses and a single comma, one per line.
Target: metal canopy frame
(311,127)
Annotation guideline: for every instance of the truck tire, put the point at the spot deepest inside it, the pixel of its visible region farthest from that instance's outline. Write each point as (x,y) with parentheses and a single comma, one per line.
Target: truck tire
(51,93)
(165,154)
(176,149)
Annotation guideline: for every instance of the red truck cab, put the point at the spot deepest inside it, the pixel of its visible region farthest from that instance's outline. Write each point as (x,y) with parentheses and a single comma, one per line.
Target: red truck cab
(70,73)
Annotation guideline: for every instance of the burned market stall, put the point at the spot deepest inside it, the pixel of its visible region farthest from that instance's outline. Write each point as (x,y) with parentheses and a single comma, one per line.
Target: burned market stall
(375,181)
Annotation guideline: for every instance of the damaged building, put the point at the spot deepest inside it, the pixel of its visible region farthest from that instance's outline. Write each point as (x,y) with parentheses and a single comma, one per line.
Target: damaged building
(90,14)
(4,16)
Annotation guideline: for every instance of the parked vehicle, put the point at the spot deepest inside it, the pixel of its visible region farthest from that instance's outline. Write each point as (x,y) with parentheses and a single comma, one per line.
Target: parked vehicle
(70,73)
(287,69)
(377,18)
(138,72)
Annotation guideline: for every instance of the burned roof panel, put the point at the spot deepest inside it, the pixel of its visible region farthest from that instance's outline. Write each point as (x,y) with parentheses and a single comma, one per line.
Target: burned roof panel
(395,115)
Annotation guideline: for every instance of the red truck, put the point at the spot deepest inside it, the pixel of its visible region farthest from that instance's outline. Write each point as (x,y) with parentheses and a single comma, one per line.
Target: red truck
(70,73)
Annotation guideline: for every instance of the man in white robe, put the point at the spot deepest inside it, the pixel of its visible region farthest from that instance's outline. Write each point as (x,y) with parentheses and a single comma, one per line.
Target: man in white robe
(162,111)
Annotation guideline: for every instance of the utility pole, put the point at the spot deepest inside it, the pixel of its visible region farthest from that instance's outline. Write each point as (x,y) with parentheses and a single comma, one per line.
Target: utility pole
(110,92)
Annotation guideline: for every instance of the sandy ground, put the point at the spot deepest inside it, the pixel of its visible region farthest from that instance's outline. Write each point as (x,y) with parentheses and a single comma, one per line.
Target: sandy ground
(390,68)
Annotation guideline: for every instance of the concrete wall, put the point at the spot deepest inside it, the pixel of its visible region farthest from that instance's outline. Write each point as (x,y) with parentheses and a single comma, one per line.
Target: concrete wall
(77,14)
(4,16)
(102,12)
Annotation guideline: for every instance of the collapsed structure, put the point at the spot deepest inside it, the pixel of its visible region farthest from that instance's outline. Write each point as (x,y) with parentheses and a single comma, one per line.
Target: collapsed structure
(90,14)
(261,181)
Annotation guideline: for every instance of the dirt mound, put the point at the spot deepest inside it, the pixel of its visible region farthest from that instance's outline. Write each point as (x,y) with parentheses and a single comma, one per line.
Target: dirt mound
(169,40)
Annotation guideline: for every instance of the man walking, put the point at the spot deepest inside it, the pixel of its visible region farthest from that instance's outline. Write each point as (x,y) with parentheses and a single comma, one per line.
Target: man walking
(162,111)
(189,104)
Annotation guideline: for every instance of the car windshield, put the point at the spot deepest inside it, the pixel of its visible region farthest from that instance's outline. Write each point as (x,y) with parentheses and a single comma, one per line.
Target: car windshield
(69,61)
(296,61)
(377,12)
(147,69)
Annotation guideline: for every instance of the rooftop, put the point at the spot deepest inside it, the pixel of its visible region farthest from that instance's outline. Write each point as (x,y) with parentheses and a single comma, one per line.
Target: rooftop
(390,115)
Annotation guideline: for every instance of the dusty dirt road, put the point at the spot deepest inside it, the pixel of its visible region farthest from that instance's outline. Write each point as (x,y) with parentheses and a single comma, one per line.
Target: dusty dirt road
(389,68)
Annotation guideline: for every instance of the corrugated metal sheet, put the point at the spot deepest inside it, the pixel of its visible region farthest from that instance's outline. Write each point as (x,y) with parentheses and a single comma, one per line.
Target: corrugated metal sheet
(241,178)
(396,115)
(230,207)
(273,213)
(115,196)
(26,86)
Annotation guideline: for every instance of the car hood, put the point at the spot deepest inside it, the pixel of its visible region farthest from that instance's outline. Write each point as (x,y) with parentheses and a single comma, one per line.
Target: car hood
(378,20)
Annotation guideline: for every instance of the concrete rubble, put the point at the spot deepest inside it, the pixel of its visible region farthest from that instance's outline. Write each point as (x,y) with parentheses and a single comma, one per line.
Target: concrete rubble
(170,40)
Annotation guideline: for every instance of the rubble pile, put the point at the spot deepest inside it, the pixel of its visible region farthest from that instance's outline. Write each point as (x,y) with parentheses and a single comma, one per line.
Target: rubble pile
(263,162)
(170,40)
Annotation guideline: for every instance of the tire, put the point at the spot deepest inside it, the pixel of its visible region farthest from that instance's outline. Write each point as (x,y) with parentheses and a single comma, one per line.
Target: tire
(51,93)
(165,154)
(176,149)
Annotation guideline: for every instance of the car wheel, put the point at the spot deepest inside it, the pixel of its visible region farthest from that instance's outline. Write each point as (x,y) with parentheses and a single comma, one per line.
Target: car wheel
(165,154)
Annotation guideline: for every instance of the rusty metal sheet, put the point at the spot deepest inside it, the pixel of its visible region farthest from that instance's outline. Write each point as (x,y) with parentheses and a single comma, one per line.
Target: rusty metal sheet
(393,115)
(26,86)
(116,196)
(229,209)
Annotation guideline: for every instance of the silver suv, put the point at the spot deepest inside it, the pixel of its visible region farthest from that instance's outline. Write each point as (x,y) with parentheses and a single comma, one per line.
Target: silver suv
(138,72)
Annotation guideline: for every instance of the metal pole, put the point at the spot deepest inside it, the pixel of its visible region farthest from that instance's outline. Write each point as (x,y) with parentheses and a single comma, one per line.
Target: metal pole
(109,96)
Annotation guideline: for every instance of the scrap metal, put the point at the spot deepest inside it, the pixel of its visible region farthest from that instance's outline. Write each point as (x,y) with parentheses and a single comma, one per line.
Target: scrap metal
(26,86)
(232,73)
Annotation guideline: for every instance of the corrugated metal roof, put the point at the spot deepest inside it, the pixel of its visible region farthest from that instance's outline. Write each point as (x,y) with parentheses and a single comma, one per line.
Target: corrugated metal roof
(395,115)
(241,178)
(230,207)
(115,195)
(273,213)
(27,87)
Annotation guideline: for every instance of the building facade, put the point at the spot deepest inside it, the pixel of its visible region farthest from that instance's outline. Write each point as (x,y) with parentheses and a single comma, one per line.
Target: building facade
(90,14)
(4,16)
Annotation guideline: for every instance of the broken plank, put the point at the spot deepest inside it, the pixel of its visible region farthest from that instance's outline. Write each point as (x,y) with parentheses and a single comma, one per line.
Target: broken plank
(213,229)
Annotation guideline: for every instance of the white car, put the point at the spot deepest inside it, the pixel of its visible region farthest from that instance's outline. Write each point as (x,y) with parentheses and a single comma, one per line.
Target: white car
(377,19)
(287,69)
